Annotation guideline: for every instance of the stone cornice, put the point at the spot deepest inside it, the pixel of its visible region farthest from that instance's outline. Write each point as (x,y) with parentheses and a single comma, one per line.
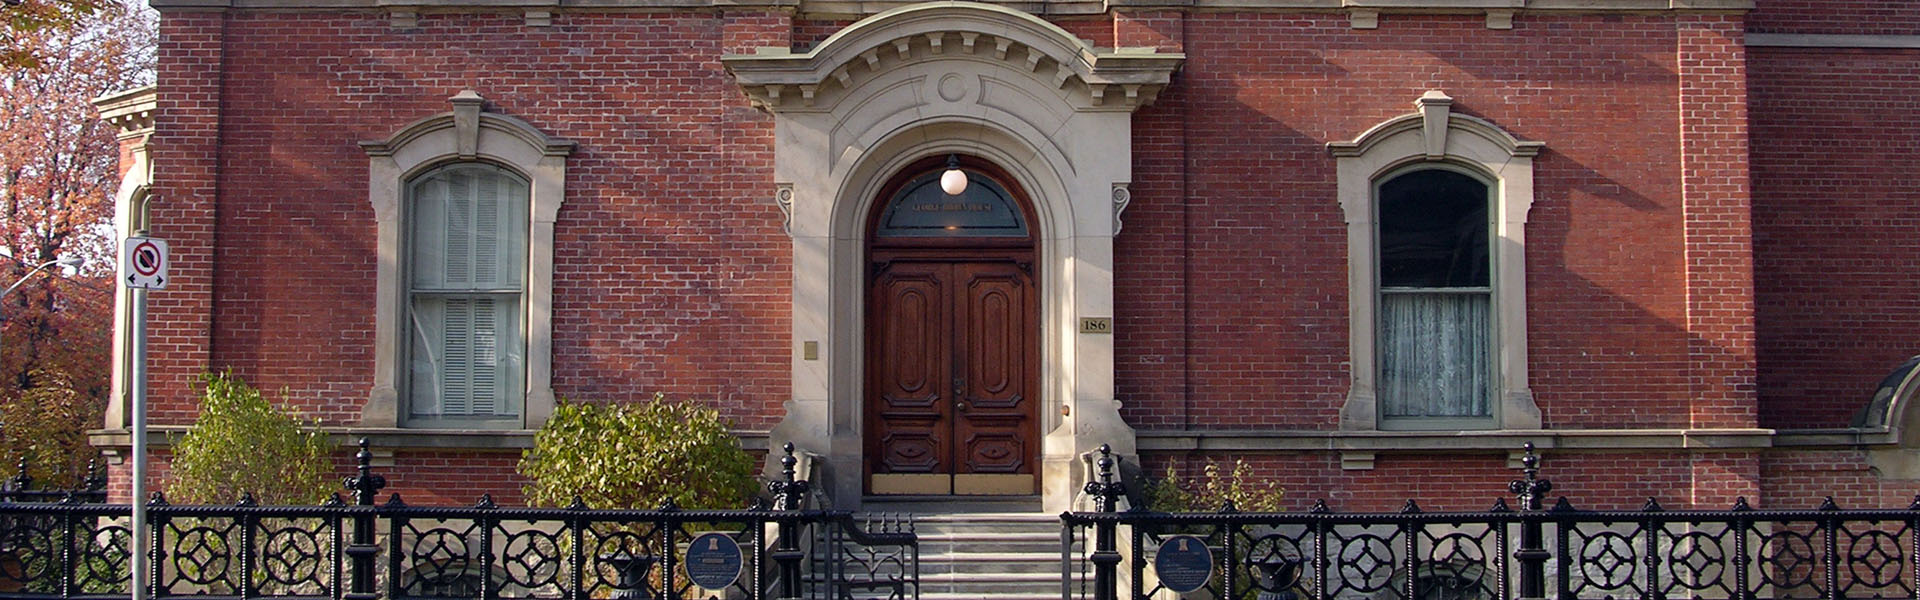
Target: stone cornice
(1822,40)
(1122,79)
(130,111)
(862,8)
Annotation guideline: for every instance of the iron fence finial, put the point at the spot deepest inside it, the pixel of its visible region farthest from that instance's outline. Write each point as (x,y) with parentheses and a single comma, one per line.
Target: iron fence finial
(96,477)
(1531,489)
(789,491)
(21,480)
(364,483)
(1106,492)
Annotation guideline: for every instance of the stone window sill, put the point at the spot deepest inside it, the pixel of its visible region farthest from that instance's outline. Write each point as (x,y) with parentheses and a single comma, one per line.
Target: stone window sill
(384,440)
(1359,448)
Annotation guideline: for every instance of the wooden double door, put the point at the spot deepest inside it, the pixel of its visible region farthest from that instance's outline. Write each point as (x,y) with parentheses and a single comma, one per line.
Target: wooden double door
(952,376)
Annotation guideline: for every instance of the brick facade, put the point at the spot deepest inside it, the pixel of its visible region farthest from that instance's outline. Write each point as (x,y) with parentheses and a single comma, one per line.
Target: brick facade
(1668,287)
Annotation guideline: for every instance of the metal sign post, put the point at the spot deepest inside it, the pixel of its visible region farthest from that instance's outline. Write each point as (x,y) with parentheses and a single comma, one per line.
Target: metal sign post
(144,263)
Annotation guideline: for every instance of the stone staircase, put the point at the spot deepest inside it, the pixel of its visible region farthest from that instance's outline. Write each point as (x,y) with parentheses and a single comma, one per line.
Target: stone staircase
(996,549)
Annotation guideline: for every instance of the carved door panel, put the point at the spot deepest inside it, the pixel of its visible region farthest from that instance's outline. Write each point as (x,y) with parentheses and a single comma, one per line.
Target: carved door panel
(950,401)
(994,407)
(909,370)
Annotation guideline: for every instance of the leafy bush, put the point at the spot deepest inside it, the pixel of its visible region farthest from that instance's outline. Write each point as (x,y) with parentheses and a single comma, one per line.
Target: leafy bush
(1213,490)
(242,443)
(637,456)
(47,425)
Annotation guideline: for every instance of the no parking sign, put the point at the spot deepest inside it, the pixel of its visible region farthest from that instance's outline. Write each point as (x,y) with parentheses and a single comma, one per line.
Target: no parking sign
(145,260)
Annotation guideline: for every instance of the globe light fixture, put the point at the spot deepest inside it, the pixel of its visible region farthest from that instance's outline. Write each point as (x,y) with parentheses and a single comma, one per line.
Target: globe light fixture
(954,181)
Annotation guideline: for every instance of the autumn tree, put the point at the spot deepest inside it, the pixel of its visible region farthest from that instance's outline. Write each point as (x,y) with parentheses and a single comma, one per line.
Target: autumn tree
(58,174)
(22,22)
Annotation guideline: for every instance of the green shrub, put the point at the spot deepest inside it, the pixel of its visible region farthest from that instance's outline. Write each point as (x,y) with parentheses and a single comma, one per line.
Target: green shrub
(242,443)
(1213,490)
(637,456)
(47,426)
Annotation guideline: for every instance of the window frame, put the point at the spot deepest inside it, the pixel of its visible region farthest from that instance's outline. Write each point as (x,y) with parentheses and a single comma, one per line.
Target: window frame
(1429,137)
(463,134)
(516,399)
(1491,291)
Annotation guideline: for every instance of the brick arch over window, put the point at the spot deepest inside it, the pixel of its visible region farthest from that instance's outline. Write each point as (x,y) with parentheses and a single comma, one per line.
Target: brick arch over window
(927,80)
(464,134)
(1433,134)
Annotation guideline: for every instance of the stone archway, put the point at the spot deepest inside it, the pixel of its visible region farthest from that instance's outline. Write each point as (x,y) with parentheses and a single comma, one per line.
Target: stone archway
(941,78)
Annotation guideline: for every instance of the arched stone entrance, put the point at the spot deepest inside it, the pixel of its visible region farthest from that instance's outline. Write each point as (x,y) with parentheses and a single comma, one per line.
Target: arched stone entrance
(925,81)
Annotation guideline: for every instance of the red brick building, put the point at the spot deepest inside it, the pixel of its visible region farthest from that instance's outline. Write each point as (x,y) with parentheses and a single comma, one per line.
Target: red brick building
(1368,246)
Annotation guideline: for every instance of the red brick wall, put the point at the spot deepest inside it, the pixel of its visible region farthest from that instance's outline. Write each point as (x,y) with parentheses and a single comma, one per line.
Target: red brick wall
(420,477)
(1802,478)
(1719,236)
(1896,17)
(1590,480)
(1835,148)
(1234,231)
(187,130)
(671,272)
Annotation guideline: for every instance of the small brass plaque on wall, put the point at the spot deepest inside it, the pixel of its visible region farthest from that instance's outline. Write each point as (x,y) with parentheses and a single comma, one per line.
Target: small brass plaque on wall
(1096,324)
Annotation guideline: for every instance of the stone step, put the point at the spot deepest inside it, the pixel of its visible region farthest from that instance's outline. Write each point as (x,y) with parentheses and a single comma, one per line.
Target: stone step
(989,523)
(990,583)
(1054,594)
(1009,552)
(1011,542)
(949,505)
(991,562)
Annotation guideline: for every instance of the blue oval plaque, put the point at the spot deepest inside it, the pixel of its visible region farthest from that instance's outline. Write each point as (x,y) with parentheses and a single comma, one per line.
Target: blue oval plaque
(1183,563)
(713,561)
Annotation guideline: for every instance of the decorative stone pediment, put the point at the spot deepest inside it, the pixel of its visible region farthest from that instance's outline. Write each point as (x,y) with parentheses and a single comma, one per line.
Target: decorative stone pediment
(1097,79)
(1435,119)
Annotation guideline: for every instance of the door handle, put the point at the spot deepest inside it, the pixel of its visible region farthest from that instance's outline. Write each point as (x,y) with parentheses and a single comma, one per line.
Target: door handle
(959,391)
(960,406)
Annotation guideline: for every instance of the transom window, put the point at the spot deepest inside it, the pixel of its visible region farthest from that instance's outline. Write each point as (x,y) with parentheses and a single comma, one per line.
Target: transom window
(922,209)
(467,240)
(1436,299)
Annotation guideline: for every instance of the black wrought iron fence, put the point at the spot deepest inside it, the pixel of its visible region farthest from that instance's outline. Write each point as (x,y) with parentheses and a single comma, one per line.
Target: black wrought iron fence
(1559,552)
(21,487)
(356,550)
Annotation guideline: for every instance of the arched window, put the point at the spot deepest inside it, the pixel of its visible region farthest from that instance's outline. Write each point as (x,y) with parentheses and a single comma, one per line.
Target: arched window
(465,202)
(466,295)
(1435,296)
(1436,209)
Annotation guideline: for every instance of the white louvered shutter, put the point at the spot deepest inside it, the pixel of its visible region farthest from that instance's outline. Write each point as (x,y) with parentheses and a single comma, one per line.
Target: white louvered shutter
(467,295)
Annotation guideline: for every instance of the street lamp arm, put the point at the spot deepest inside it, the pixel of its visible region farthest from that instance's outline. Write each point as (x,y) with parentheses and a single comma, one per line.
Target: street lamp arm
(65,262)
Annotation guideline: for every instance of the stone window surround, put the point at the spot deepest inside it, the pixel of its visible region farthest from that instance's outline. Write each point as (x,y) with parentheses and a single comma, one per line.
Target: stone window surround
(464,134)
(131,112)
(1434,135)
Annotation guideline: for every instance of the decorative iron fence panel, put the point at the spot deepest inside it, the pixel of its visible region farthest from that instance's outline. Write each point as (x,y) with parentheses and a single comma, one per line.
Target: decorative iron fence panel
(340,551)
(874,559)
(1560,552)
